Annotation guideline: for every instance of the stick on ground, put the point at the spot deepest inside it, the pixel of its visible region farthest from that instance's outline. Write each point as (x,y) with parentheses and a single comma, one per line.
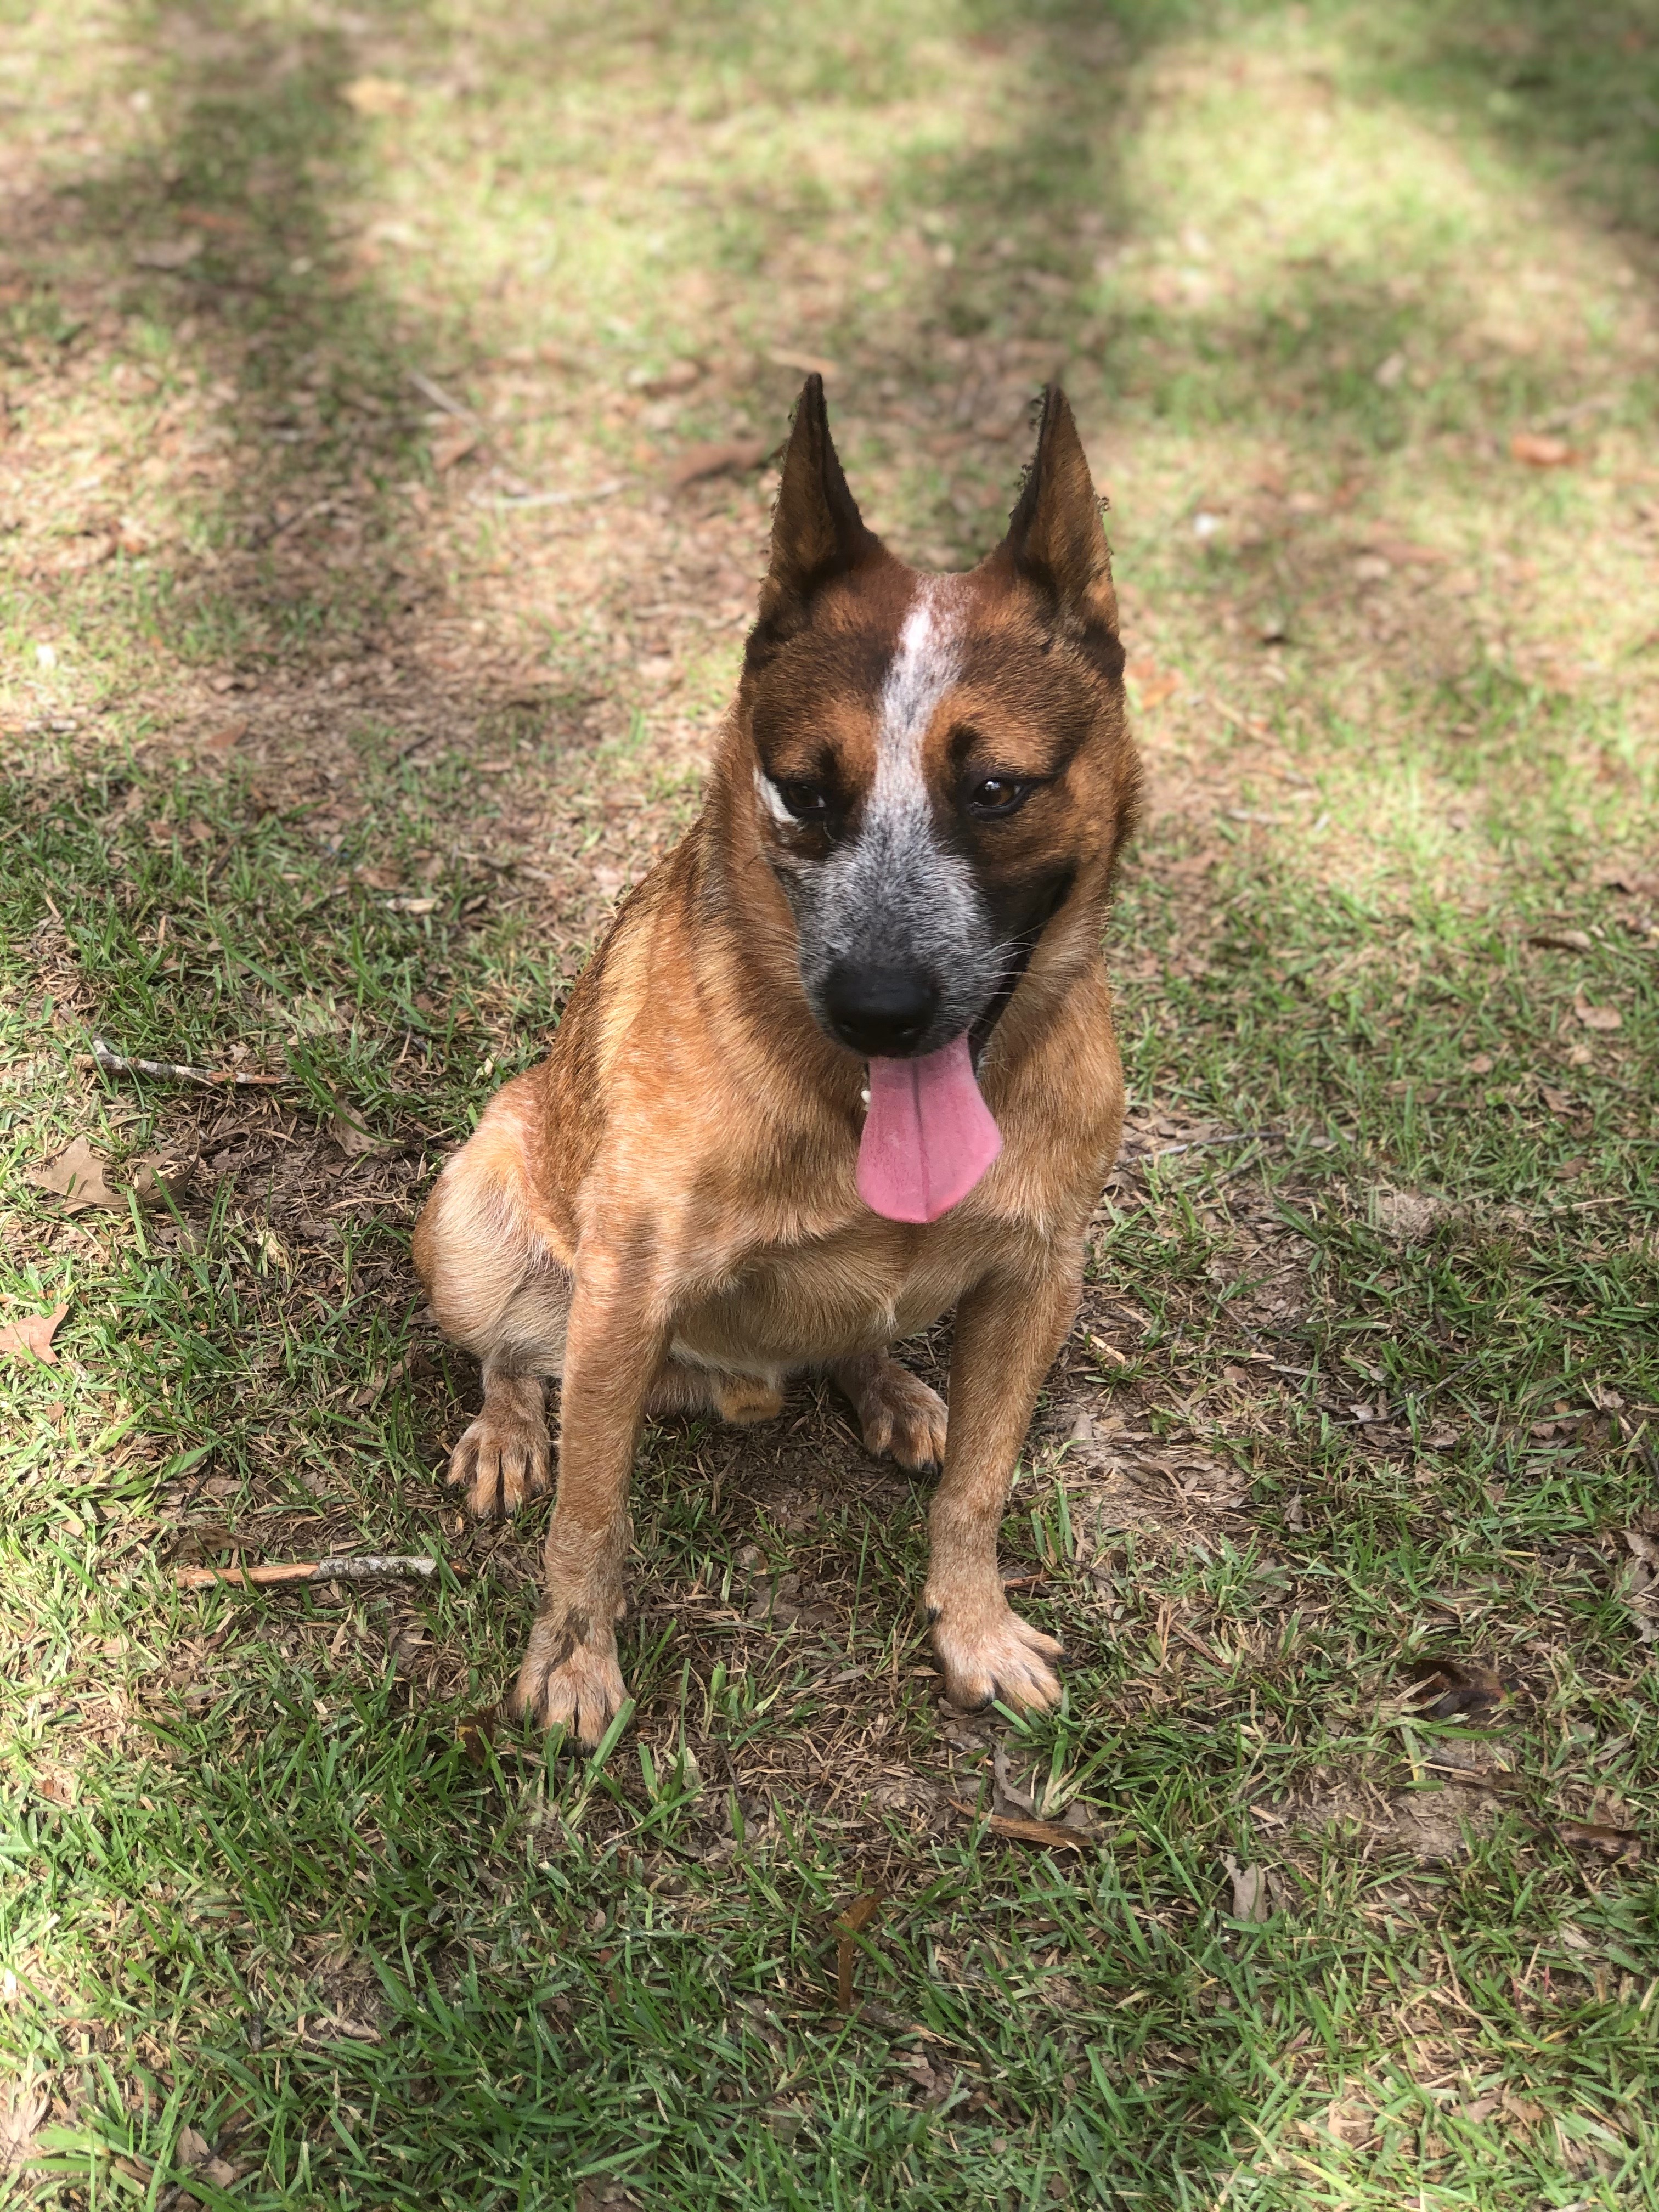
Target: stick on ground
(105,1055)
(357,1567)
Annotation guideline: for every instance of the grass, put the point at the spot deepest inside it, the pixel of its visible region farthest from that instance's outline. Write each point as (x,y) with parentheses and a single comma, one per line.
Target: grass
(329,738)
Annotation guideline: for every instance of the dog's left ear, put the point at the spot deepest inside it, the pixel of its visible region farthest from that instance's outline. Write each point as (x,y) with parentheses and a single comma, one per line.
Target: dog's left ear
(1055,536)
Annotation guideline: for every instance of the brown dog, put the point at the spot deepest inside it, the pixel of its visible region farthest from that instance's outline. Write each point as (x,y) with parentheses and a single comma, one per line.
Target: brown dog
(759,1145)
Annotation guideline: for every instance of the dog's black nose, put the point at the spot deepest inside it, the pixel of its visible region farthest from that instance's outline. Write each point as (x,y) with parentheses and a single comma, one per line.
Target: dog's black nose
(882,1012)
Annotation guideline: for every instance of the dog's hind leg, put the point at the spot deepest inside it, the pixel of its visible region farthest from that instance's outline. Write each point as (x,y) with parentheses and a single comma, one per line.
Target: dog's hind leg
(898,1412)
(499,1290)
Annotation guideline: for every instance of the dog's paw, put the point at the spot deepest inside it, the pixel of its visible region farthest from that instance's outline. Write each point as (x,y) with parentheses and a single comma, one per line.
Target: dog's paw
(990,1656)
(898,1413)
(504,1458)
(571,1677)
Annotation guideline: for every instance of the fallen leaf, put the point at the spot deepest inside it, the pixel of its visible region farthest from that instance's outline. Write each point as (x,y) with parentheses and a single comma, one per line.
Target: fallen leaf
(1006,1795)
(1596,1836)
(191,2149)
(21,2111)
(377,95)
(734,457)
(156,1180)
(1023,1831)
(77,1176)
(1596,1018)
(857,1916)
(353,1141)
(477,1733)
(1481,1065)
(222,2174)
(222,741)
(32,1336)
(218,219)
(1411,1216)
(1539,453)
(1153,685)
(599,2193)
(170,252)
(1444,1688)
(1630,881)
(1564,940)
(411,905)
(1251,1898)
(452,441)
(1558,1101)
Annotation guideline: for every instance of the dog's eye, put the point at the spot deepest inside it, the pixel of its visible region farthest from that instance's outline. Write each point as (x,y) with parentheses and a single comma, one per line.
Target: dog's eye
(807,802)
(997,794)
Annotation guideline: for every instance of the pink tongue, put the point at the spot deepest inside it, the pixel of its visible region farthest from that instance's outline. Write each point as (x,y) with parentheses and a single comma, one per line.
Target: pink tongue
(929,1136)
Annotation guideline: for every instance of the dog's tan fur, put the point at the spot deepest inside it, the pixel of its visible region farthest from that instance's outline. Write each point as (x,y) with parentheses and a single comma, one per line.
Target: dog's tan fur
(663,1214)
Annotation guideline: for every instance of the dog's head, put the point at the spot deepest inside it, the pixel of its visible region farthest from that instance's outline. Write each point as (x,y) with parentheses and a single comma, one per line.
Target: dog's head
(939,763)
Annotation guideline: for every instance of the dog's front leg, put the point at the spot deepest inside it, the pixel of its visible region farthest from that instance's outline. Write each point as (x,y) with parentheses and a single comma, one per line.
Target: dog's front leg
(571,1677)
(1007,1332)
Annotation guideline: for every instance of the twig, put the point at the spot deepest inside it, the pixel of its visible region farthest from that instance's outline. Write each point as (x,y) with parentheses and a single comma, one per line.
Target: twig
(260,538)
(1200,1144)
(116,1063)
(512,499)
(444,401)
(357,1567)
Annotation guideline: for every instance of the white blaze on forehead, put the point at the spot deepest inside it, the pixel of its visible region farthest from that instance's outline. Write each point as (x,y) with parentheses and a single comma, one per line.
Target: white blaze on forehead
(928,663)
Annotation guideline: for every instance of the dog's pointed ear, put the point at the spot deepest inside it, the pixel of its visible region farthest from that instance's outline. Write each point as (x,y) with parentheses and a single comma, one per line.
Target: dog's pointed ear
(818,531)
(1055,535)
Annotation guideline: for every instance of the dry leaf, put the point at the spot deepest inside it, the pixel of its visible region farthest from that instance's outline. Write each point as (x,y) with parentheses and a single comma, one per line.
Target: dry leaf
(191,2149)
(1558,1101)
(222,741)
(1445,1689)
(21,2111)
(77,1176)
(1251,1898)
(1006,1795)
(1152,685)
(857,1916)
(1596,1836)
(411,906)
(477,1733)
(377,95)
(1632,881)
(353,1141)
(169,252)
(601,2193)
(33,1337)
(1563,940)
(1539,453)
(1024,1832)
(1596,1018)
(452,441)
(733,457)
(156,1180)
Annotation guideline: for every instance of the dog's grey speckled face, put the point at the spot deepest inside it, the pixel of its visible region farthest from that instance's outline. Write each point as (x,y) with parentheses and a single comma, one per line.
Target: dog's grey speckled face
(898,943)
(937,758)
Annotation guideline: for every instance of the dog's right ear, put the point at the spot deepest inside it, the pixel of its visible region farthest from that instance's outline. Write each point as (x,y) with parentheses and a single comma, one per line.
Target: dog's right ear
(818,531)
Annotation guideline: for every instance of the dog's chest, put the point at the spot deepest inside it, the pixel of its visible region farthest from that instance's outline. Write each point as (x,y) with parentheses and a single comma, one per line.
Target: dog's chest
(852,1291)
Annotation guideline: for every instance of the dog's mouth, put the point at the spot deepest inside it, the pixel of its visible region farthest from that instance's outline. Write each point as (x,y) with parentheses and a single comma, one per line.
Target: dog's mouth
(928,1135)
